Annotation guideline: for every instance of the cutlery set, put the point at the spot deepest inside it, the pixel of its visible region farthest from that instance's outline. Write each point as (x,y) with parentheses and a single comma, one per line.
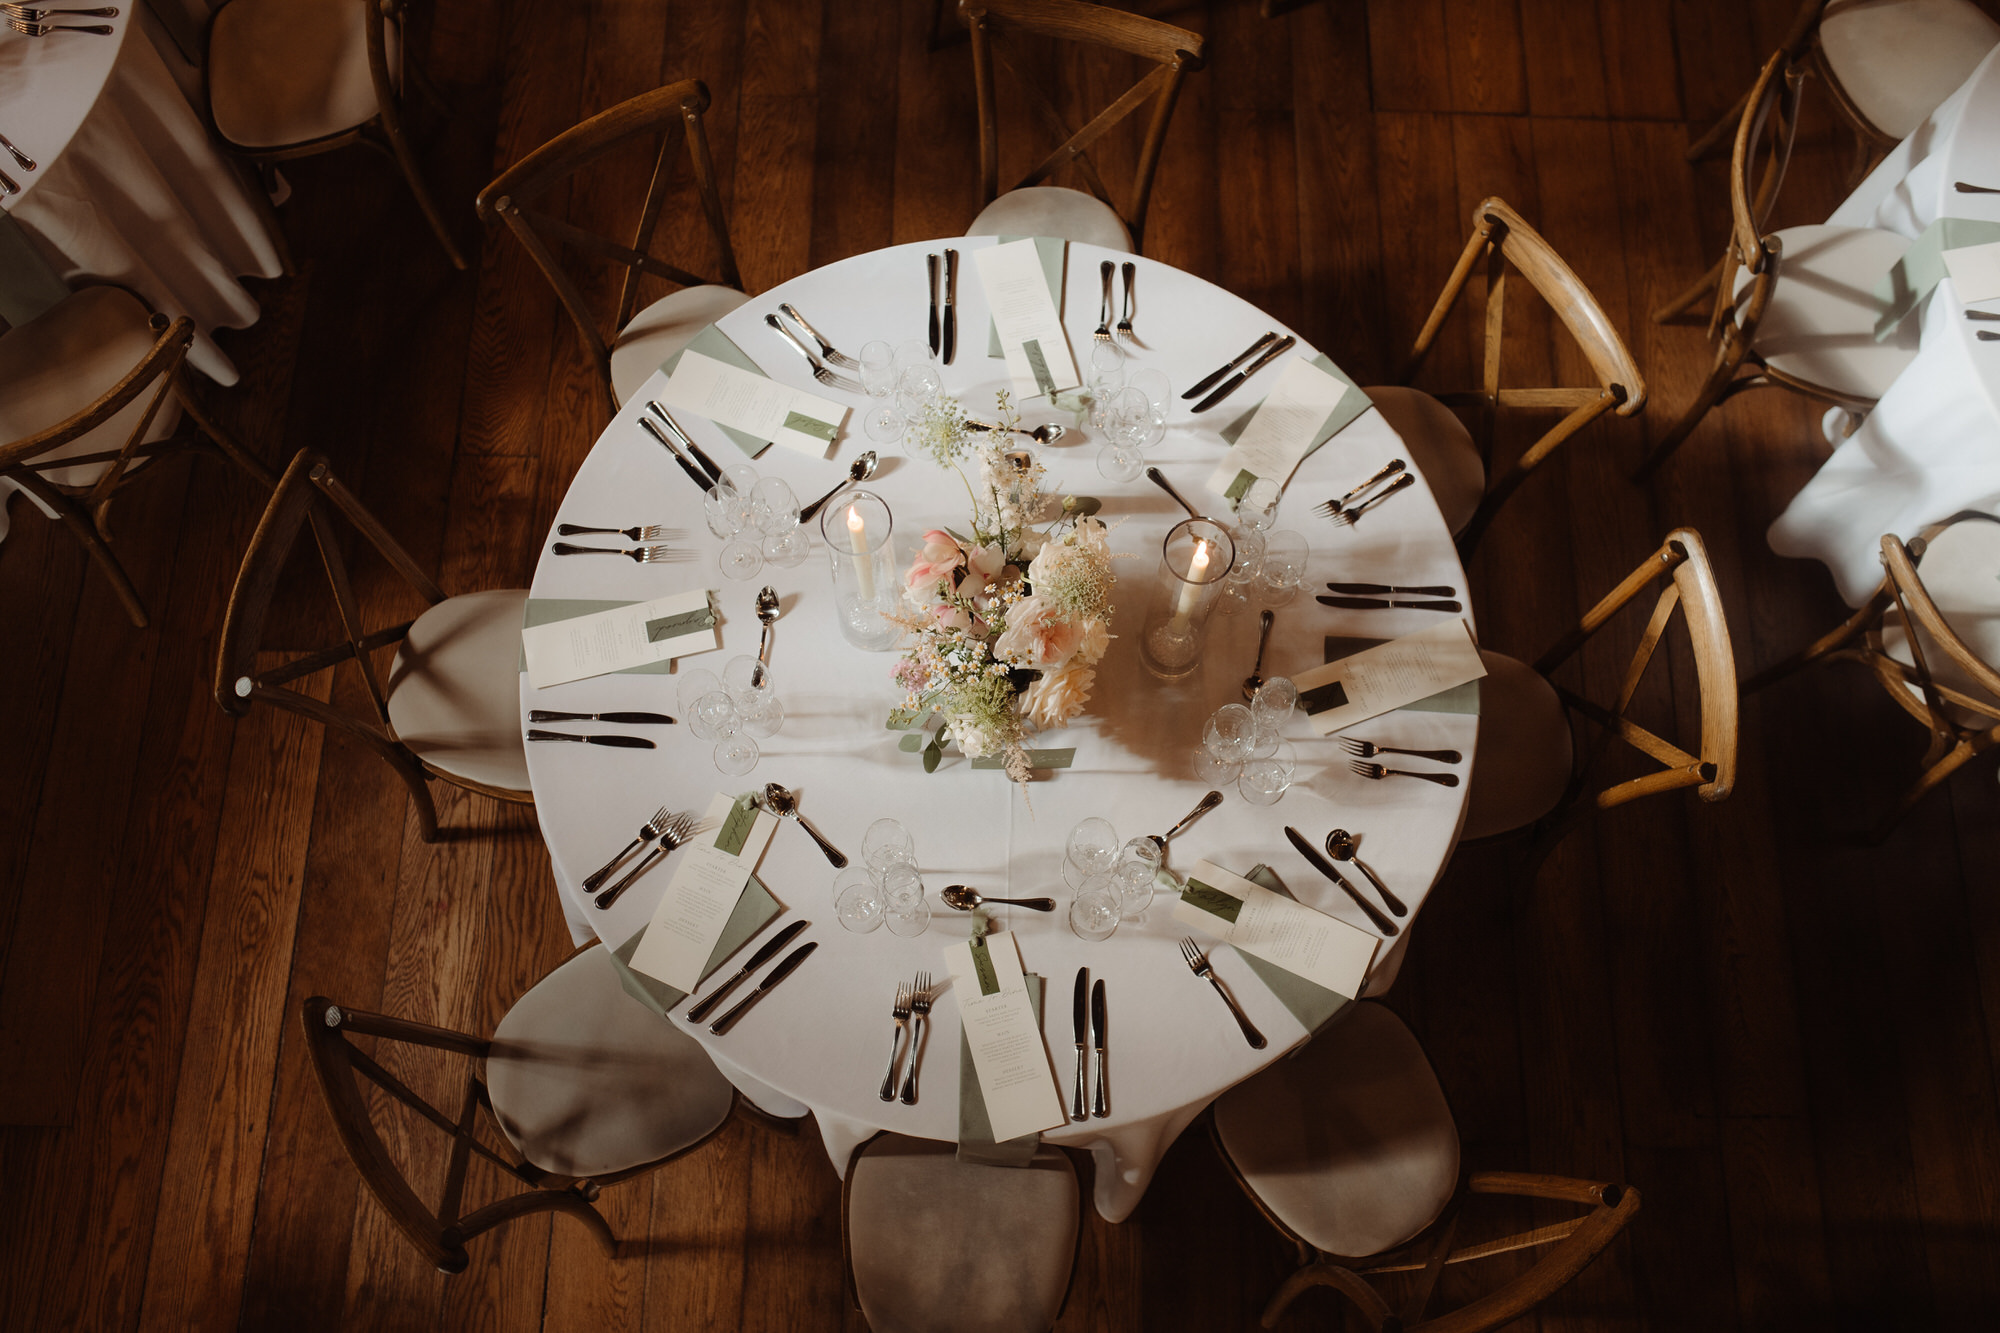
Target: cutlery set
(830,379)
(671,829)
(944,332)
(31,21)
(1368,750)
(910,1012)
(1349,508)
(627,719)
(1327,868)
(644,555)
(617,742)
(777,974)
(1087,1017)
(1271,352)
(703,1007)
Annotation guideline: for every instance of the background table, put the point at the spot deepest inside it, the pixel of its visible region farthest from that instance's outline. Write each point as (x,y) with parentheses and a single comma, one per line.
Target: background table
(820,1040)
(1931,446)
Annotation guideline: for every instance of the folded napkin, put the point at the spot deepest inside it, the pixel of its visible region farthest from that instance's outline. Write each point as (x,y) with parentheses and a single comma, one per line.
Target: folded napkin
(713,342)
(28,286)
(975,1130)
(1053,251)
(1910,279)
(1458,699)
(1351,405)
(1309,1002)
(548,610)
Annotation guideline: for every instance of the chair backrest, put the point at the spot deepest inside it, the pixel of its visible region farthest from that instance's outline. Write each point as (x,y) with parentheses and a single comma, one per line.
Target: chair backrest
(513,194)
(1505,238)
(1690,587)
(1173,52)
(1945,669)
(1757,163)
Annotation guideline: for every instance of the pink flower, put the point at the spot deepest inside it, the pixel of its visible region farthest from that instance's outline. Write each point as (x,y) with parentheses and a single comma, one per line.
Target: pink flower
(930,575)
(1037,635)
(1053,699)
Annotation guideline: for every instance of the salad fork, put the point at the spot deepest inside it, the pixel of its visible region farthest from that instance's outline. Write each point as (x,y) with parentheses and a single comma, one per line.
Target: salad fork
(44,29)
(678,831)
(1198,964)
(1103,333)
(1369,749)
(35,13)
(900,1012)
(644,555)
(651,532)
(1333,508)
(1377,772)
(826,349)
(1352,516)
(819,371)
(1125,324)
(648,831)
(920,1008)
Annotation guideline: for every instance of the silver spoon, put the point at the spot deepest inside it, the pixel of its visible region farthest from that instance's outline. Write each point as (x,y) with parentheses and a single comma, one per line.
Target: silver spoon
(767,612)
(1201,807)
(1047,434)
(1255,680)
(785,804)
(862,469)
(1159,478)
(1340,846)
(965,899)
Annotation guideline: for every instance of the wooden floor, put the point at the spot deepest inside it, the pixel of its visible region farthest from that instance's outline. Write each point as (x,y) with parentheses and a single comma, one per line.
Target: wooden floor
(1784,1039)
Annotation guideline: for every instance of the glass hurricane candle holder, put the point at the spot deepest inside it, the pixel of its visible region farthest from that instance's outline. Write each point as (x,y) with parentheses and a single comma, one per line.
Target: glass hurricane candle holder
(867,586)
(1194,563)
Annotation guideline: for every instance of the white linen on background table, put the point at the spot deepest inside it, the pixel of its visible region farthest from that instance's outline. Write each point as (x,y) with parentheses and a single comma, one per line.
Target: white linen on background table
(820,1038)
(1931,446)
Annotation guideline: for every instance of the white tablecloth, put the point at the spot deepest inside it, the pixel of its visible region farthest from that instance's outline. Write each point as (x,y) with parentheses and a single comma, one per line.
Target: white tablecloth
(820,1039)
(1931,446)
(130,189)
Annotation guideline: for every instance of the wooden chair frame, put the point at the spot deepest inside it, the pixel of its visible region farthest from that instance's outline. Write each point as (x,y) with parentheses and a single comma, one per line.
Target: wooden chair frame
(1174,51)
(86,511)
(1859,638)
(1502,236)
(384,132)
(511,197)
(301,498)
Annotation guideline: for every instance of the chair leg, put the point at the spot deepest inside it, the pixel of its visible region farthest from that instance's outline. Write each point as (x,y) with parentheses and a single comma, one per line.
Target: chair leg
(1704,286)
(1373,1308)
(94,545)
(399,145)
(1962,754)
(1719,385)
(1724,128)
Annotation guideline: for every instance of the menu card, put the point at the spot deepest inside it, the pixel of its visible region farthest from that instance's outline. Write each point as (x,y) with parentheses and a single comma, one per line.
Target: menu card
(1388,676)
(1004,1036)
(623,637)
(703,892)
(1283,429)
(1031,331)
(754,404)
(1323,949)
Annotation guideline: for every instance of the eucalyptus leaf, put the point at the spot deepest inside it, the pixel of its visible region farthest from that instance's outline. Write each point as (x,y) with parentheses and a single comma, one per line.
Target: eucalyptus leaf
(1081,505)
(931,757)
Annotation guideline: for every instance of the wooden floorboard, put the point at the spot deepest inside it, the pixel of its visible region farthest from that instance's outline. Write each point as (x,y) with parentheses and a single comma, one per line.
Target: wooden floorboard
(1788,1040)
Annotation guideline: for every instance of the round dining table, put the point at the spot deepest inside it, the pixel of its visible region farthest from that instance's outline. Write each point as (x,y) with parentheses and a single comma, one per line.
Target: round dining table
(819,1041)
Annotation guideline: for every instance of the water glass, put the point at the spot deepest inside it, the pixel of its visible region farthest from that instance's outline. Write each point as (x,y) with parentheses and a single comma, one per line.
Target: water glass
(1243,573)
(726,509)
(1229,738)
(695,682)
(735,752)
(1131,427)
(1092,850)
(1284,565)
(1274,701)
(1154,384)
(1107,377)
(1257,508)
(878,369)
(747,682)
(775,509)
(1094,912)
(857,902)
(903,890)
(885,844)
(1137,865)
(1263,780)
(911,919)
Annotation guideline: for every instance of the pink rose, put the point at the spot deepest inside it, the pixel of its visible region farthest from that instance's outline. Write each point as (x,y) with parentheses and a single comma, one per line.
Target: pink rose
(1037,635)
(930,576)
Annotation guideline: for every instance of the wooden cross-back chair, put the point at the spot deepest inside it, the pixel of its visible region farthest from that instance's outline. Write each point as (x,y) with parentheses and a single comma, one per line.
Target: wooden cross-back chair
(1529,771)
(639,340)
(1454,463)
(1793,308)
(1947,674)
(1061,212)
(90,390)
(449,707)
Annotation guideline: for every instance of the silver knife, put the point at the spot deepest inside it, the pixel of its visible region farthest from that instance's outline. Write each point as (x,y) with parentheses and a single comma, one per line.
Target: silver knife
(932,262)
(1209,383)
(950,305)
(1102,1107)
(771,949)
(706,463)
(620,742)
(695,474)
(1078,1110)
(778,974)
(630,719)
(1321,864)
(1235,382)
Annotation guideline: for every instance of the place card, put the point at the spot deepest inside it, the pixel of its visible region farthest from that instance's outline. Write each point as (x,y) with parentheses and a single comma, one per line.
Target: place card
(1975,271)
(621,638)
(1388,676)
(702,895)
(1005,1038)
(1031,330)
(1283,429)
(1054,254)
(1283,931)
(754,404)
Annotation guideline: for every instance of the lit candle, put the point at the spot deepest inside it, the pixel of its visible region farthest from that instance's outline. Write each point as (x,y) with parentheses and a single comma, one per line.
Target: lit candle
(1191,586)
(864,564)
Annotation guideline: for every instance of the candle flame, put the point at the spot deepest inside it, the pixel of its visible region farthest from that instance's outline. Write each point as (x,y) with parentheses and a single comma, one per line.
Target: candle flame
(1199,566)
(855,523)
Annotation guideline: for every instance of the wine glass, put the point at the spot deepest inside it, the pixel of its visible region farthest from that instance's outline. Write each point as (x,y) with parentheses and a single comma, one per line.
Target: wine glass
(909,910)
(858,904)
(726,510)
(878,369)
(886,844)
(1226,741)
(1130,427)
(1155,385)
(1274,701)
(1284,565)
(1257,508)
(735,752)
(1094,912)
(1263,780)
(696,682)
(1138,862)
(1107,377)
(747,681)
(776,509)
(1092,850)
(848,877)
(1243,572)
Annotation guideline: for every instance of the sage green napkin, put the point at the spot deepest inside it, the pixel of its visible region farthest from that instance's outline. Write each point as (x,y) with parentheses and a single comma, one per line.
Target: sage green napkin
(1350,406)
(548,610)
(28,286)
(975,1130)
(1053,251)
(1309,1002)
(1910,279)
(1458,699)
(713,342)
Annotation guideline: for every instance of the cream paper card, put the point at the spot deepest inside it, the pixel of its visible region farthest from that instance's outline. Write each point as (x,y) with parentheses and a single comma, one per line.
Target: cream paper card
(1008,1053)
(754,404)
(1283,931)
(693,911)
(1284,427)
(1975,271)
(626,636)
(1389,675)
(1031,332)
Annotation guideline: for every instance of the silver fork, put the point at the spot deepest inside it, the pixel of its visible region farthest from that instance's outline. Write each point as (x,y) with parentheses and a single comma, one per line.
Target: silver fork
(1352,516)
(1199,965)
(920,1005)
(651,532)
(1369,749)
(644,555)
(35,13)
(1333,508)
(648,831)
(677,831)
(44,29)
(1103,333)
(820,372)
(826,349)
(1125,324)
(900,1011)
(1377,772)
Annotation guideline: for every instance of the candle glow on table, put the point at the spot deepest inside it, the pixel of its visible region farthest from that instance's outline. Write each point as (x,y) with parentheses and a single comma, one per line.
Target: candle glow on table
(1191,586)
(857,537)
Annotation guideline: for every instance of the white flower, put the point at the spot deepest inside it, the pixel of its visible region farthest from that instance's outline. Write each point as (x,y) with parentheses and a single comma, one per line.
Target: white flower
(973,741)
(1096,639)
(1055,698)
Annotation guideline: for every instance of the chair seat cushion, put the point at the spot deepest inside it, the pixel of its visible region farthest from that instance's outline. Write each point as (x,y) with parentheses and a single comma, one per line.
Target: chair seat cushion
(1051,210)
(455,688)
(938,1243)
(586,1081)
(1349,1143)
(1820,325)
(1525,753)
(1439,445)
(662,329)
(290,71)
(1961,572)
(1898,60)
(62,361)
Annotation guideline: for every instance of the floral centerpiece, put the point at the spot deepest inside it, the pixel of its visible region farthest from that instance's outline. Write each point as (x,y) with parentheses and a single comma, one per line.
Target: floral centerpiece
(1010,619)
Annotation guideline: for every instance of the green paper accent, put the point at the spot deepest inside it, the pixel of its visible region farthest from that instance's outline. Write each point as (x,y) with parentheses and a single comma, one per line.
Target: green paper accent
(982,967)
(1244,480)
(1913,277)
(1350,406)
(672,627)
(1039,364)
(1458,699)
(975,1127)
(713,342)
(736,825)
(1212,900)
(910,742)
(1323,697)
(1036,759)
(1309,1002)
(1053,251)
(753,912)
(549,610)
(28,286)
(813,426)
